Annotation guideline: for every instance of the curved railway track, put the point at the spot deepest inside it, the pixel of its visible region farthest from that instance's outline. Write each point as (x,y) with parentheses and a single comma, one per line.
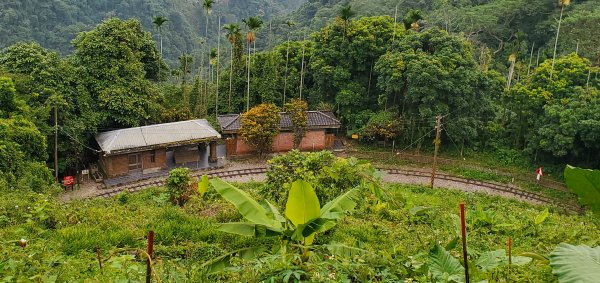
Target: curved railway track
(481,185)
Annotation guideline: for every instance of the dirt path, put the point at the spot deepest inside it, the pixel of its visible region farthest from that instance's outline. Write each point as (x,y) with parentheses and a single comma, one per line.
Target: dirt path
(91,189)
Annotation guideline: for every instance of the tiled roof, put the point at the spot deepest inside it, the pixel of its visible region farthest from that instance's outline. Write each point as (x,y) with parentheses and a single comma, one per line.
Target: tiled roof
(154,136)
(316,120)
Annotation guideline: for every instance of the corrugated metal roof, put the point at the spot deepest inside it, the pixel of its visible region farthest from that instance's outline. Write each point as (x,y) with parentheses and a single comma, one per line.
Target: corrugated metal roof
(156,135)
(315,119)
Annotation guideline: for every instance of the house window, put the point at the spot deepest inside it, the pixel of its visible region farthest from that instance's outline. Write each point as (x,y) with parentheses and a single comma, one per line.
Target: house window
(153,156)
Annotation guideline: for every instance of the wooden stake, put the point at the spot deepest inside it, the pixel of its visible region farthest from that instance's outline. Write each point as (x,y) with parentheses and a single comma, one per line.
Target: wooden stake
(509,251)
(463,227)
(150,246)
(99,259)
(436,142)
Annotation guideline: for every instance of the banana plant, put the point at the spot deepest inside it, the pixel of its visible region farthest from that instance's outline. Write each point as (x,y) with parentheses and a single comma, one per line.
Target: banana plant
(303,217)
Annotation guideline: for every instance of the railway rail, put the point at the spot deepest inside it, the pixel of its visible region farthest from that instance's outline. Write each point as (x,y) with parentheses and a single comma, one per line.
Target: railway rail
(503,188)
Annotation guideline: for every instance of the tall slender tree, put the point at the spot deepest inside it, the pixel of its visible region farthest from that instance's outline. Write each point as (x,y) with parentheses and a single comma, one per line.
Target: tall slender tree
(158,21)
(289,24)
(252,24)
(207,5)
(233,34)
(562,4)
(345,13)
(218,67)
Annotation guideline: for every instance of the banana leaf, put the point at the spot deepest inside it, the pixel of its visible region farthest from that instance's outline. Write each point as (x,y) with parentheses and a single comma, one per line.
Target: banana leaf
(576,264)
(248,229)
(302,207)
(585,183)
(444,267)
(250,209)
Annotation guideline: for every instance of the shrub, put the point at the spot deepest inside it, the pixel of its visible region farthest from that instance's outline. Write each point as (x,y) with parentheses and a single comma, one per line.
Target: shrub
(331,175)
(180,185)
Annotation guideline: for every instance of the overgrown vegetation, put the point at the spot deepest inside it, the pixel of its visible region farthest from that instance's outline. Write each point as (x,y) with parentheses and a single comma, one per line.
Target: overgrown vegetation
(331,176)
(392,239)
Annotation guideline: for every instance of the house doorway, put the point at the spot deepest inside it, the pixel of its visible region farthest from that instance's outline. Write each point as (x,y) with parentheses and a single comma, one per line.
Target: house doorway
(135,163)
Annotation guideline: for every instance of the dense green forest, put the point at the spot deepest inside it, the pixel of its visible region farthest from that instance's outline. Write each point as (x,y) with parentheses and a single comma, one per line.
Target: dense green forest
(55,23)
(386,79)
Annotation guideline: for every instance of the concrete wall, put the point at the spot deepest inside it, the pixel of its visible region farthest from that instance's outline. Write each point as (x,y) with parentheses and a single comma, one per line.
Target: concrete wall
(312,141)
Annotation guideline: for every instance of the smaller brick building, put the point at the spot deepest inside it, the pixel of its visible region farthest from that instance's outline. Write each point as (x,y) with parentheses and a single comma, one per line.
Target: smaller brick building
(320,133)
(149,149)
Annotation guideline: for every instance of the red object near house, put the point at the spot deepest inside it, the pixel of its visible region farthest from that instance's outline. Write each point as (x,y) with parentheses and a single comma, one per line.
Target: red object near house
(68,181)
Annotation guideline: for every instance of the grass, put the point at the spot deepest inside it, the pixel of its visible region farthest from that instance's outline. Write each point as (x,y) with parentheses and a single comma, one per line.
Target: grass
(186,236)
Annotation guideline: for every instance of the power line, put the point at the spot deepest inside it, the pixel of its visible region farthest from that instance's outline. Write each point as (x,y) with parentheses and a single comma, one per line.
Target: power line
(77,141)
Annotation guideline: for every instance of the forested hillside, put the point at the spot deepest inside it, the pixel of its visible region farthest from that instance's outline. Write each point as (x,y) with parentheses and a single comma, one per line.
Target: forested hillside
(54,23)
(385,78)
(503,26)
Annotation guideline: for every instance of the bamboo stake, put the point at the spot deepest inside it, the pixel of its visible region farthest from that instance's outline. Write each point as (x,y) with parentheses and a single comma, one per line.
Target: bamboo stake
(463,227)
(150,247)
(99,259)
(509,251)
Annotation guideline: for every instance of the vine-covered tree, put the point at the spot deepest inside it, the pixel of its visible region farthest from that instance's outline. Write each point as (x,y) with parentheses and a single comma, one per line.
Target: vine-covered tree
(297,111)
(433,73)
(558,116)
(119,81)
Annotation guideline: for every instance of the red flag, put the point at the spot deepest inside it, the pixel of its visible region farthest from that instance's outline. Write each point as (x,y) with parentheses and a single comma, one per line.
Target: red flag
(539,172)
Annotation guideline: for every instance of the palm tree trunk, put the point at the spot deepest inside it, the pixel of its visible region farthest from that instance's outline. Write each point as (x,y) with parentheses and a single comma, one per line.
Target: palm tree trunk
(510,74)
(287,59)
(530,59)
(248,87)
(556,40)
(161,54)
(302,67)
(230,80)
(218,67)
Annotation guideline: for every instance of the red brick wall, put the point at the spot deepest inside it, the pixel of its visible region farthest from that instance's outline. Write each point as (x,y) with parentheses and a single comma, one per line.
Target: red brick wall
(242,147)
(117,165)
(283,142)
(313,140)
(160,160)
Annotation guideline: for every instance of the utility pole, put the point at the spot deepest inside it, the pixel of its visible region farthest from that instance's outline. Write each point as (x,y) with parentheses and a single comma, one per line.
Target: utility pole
(436,142)
(56,143)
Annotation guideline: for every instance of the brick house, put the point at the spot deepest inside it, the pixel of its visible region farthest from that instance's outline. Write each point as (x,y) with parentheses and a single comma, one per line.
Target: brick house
(148,149)
(320,133)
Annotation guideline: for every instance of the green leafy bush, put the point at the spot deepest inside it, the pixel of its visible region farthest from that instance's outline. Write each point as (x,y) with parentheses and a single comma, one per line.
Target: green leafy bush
(330,174)
(180,185)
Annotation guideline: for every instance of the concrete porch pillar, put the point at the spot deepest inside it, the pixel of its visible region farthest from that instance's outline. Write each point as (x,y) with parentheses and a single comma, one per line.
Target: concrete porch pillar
(212,157)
